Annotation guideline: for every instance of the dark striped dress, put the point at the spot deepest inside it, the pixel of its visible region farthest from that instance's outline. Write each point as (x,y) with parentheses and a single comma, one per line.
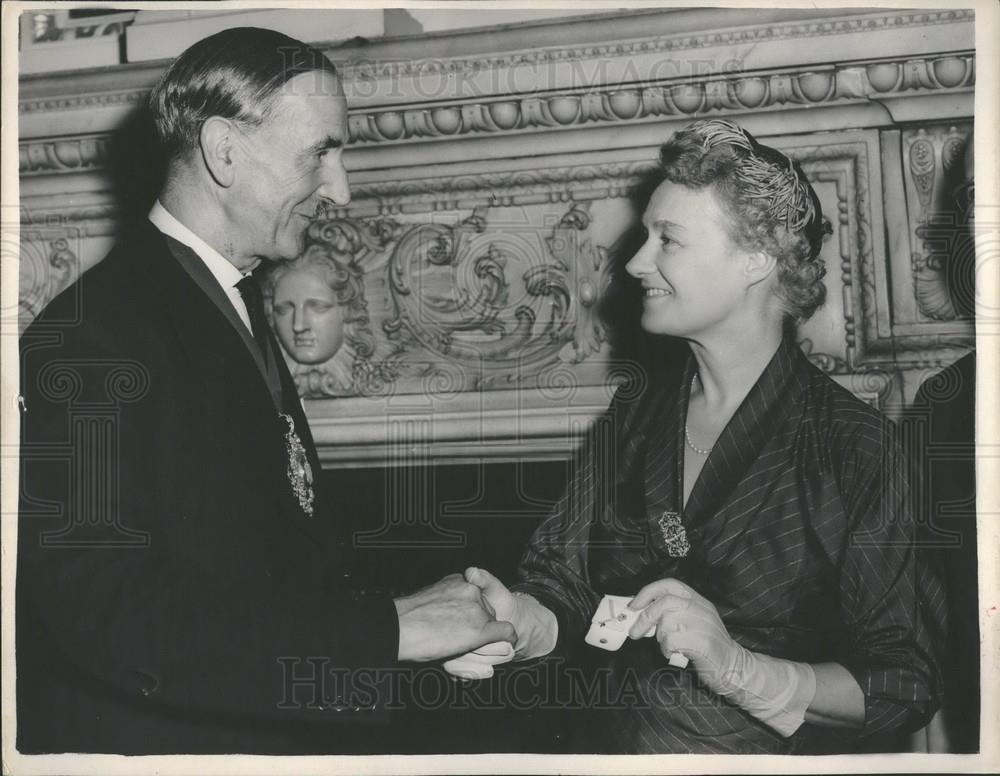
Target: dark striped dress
(801,533)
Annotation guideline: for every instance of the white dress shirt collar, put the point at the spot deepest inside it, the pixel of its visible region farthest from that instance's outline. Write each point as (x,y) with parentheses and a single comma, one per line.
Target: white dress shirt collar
(221,268)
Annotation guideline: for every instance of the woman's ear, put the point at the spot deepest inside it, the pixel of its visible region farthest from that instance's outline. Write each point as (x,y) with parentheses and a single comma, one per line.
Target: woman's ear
(217,146)
(759,266)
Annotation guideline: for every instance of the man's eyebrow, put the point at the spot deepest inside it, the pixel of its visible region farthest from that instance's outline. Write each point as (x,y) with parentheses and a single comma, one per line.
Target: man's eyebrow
(328,143)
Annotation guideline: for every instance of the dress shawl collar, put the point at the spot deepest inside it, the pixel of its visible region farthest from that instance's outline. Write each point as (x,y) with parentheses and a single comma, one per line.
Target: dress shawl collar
(753,424)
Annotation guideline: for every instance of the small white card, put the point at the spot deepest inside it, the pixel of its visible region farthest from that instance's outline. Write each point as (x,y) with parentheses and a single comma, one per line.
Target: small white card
(611,622)
(610,625)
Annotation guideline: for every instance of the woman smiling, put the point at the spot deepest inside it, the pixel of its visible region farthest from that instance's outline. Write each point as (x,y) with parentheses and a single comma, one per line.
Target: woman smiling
(759,513)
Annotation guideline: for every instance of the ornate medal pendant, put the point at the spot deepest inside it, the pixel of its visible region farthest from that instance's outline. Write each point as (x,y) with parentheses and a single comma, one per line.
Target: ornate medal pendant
(300,475)
(674,535)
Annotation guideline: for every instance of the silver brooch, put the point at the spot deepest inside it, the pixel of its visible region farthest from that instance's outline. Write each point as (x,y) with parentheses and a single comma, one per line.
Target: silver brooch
(300,475)
(674,535)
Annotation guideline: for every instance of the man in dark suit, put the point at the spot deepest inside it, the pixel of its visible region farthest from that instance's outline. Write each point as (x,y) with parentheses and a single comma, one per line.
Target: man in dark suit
(178,587)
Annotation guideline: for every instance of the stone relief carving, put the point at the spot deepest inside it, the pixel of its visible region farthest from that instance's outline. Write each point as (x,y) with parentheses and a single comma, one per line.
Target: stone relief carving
(68,155)
(934,172)
(846,166)
(82,101)
(499,189)
(473,305)
(733,94)
(363,71)
(319,309)
(47,265)
(663,43)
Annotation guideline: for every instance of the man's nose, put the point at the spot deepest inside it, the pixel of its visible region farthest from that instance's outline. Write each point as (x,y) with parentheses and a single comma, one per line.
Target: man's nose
(334,186)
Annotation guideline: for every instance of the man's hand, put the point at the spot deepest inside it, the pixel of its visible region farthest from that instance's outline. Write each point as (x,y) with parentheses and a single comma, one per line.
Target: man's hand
(537,628)
(446,619)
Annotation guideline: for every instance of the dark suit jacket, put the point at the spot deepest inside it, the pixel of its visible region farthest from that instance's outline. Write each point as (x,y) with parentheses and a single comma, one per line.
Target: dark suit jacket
(171,595)
(943,419)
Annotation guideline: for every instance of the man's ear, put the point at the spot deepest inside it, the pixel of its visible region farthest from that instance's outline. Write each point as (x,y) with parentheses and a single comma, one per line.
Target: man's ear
(759,266)
(217,150)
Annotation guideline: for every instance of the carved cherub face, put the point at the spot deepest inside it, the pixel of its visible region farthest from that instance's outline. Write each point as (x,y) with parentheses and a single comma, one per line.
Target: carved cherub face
(307,318)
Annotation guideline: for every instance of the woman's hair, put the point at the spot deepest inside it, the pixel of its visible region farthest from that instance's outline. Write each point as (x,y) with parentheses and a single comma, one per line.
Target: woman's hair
(771,204)
(346,280)
(234,74)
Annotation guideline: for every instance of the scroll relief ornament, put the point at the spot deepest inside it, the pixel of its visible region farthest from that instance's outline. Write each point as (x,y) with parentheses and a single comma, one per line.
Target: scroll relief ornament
(46,267)
(379,305)
(935,171)
(488,305)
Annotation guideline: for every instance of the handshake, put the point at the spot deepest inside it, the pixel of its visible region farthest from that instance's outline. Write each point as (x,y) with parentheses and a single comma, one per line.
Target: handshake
(475,617)
(478,619)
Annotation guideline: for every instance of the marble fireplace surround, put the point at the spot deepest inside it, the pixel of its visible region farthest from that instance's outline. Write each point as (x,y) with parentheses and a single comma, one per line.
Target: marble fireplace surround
(491,172)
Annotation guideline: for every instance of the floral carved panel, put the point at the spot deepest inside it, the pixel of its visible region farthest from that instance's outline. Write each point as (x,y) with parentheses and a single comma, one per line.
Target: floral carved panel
(487,299)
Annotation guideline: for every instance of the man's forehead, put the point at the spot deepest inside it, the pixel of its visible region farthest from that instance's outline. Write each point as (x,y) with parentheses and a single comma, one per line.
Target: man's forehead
(315,83)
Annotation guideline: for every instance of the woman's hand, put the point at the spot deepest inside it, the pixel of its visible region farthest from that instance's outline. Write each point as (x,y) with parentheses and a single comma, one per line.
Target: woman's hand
(536,627)
(775,691)
(686,623)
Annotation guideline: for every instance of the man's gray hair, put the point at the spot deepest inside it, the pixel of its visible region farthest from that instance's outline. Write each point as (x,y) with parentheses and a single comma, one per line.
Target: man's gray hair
(234,74)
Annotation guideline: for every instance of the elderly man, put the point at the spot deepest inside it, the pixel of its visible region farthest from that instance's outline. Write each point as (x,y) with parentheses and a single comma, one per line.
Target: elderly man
(178,587)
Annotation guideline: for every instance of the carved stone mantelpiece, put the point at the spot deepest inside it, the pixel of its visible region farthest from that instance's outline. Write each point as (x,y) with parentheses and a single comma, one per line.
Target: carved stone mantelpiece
(491,174)
(676,99)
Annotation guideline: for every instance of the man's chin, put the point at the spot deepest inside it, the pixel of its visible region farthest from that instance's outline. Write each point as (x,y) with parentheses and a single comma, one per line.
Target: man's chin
(284,255)
(295,247)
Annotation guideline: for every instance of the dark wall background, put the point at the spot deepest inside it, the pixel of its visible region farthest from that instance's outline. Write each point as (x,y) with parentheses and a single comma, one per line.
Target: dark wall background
(406,527)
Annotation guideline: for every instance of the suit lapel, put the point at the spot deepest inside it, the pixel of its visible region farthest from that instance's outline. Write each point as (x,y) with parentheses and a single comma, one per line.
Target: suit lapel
(207,282)
(200,320)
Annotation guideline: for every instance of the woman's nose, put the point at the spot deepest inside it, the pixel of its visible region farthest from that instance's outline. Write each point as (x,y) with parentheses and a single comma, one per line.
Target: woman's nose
(641,262)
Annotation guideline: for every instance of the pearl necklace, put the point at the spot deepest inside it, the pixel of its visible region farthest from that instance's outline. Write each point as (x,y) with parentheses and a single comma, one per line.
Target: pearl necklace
(687,435)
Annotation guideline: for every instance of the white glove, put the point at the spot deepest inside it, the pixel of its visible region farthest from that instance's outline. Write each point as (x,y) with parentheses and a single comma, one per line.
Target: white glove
(775,691)
(479,663)
(536,626)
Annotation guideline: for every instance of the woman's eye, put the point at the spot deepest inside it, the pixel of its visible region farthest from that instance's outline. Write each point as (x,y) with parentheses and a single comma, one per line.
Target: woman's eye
(665,240)
(282,310)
